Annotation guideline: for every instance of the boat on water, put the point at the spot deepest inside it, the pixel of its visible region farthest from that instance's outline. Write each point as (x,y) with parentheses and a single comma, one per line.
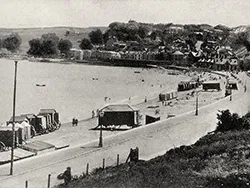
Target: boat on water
(41,85)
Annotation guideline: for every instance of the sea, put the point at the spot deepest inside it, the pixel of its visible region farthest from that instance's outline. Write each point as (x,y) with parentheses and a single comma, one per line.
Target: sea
(74,89)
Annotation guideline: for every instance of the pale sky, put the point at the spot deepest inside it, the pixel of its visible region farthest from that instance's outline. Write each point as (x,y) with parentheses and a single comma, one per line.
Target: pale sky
(86,13)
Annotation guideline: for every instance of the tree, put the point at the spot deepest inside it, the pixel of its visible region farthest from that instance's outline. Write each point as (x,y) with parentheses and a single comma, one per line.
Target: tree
(50,36)
(96,37)
(49,48)
(12,42)
(64,46)
(85,44)
(243,39)
(35,47)
(228,121)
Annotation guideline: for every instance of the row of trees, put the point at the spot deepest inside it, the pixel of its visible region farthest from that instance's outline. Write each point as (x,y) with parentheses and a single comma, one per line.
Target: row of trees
(11,42)
(49,45)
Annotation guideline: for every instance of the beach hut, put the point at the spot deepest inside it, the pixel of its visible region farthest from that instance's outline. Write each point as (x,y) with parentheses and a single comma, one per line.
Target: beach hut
(52,118)
(18,119)
(118,114)
(232,85)
(6,135)
(211,85)
(165,96)
(21,132)
(40,125)
(27,130)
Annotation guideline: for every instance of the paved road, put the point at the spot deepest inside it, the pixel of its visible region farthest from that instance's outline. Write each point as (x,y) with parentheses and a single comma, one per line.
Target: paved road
(153,140)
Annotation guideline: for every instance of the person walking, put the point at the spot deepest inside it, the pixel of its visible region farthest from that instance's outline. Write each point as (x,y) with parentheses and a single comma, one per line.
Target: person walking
(76,121)
(73,121)
(67,176)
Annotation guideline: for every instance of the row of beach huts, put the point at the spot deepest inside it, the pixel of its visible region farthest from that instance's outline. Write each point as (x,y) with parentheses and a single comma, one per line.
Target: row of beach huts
(28,126)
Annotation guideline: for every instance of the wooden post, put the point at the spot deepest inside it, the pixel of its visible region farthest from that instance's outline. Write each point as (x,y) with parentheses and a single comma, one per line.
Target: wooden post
(87,169)
(103,163)
(26,184)
(49,180)
(117,161)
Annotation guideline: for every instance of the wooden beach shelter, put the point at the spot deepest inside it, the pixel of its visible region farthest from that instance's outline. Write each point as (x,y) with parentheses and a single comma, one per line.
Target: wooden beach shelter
(211,85)
(118,114)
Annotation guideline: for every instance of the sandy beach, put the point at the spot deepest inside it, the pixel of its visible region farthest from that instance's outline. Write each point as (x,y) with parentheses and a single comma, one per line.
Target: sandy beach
(82,134)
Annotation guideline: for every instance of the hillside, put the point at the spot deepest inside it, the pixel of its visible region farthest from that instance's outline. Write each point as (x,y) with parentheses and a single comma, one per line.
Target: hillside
(220,159)
(26,34)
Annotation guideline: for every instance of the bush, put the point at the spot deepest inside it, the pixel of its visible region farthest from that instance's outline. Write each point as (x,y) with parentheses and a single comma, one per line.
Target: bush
(228,121)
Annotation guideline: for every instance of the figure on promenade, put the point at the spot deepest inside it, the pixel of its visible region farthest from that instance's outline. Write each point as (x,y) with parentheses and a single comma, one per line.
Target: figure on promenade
(133,155)
(76,121)
(67,176)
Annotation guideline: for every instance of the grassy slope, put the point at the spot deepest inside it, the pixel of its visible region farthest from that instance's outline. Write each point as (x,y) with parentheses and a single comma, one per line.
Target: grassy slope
(76,34)
(216,160)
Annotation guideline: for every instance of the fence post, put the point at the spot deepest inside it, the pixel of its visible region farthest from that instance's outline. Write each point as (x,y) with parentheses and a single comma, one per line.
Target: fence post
(87,169)
(49,180)
(26,184)
(117,160)
(103,163)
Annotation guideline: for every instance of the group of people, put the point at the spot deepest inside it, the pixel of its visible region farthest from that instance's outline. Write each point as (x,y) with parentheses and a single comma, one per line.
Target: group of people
(74,122)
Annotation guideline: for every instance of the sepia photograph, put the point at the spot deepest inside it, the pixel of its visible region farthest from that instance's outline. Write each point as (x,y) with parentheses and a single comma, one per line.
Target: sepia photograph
(124,94)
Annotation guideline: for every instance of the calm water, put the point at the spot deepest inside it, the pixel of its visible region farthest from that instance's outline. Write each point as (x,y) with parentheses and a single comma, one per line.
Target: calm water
(71,89)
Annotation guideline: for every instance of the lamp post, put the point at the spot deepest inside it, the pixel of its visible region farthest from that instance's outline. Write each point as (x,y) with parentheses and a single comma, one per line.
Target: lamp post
(196,104)
(231,94)
(13,123)
(101,114)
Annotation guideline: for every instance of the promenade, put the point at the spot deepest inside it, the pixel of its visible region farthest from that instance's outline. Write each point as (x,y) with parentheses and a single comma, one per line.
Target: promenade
(153,140)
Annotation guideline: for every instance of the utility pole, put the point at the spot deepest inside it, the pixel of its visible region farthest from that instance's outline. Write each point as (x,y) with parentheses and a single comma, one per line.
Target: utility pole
(101,114)
(196,108)
(100,138)
(13,122)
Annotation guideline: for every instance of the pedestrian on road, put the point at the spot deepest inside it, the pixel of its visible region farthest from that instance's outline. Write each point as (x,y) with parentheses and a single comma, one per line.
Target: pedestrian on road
(67,176)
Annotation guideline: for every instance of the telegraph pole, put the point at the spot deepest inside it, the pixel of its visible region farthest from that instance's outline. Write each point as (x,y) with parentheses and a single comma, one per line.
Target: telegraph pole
(101,114)
(13,122)
(196,106)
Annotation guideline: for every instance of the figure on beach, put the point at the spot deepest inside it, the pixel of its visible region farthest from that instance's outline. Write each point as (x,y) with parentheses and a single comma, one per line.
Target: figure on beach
(74,122)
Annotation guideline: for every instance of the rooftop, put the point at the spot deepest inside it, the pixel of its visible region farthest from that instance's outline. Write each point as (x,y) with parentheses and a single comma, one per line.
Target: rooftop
(118,108)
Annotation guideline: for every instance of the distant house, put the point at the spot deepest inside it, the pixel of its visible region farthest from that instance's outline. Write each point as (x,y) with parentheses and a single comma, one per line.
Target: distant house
(110,44)
(226,64)
(76,54)
(174,28)
(178,58)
